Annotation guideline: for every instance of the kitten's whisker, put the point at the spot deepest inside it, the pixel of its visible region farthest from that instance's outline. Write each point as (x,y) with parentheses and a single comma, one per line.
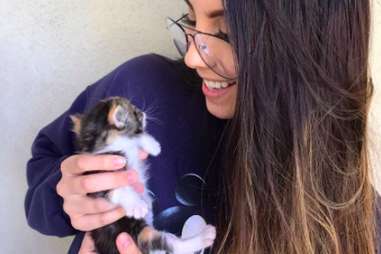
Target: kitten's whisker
(150,112)
(150,116)
(154,119)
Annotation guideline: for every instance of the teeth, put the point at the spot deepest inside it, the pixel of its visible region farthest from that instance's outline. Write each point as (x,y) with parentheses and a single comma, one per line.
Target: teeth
(216,84)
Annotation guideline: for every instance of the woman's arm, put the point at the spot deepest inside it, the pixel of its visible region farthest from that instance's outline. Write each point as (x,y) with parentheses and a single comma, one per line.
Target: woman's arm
(53,144)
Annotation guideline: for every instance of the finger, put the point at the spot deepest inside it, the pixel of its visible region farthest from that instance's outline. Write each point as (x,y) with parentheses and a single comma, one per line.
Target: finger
(87,246)
(78,164)
(143,155)
(92,221)
(78,204)
(96,182)
(126,245)
(138,187)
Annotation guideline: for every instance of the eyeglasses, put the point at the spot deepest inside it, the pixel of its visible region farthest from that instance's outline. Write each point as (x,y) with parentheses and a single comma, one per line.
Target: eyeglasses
(214,50)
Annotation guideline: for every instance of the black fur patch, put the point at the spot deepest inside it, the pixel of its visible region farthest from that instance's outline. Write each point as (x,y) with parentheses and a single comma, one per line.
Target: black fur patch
(157,243)
(105,237)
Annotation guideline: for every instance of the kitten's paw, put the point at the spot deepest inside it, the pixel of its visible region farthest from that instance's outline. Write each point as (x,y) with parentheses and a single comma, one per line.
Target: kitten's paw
(150,145)
(208,235)
(138,211)
(155,149)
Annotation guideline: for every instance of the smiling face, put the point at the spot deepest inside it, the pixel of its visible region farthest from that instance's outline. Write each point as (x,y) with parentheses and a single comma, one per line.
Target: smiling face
(220,93)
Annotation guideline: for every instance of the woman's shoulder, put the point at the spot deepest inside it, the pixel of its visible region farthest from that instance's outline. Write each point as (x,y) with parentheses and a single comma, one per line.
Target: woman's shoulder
(146,67)
(149,76)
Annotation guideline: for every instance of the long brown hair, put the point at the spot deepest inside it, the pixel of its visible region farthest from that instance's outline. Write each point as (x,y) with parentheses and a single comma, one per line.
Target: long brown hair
(297,178)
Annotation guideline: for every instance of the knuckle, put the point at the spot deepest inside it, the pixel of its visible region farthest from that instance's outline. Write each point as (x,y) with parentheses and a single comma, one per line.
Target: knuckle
(80,224)
(66,162)
(59,188)
(63,165)
(104,219)
(86,184)
(67,208)
(105,162)
(81,162)
(76,224)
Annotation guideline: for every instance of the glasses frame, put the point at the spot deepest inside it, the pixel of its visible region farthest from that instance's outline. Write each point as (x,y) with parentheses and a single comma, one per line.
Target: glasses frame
(193,35)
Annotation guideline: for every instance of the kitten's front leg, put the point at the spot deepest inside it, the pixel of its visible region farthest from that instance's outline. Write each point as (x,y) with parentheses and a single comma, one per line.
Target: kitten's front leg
(149,144)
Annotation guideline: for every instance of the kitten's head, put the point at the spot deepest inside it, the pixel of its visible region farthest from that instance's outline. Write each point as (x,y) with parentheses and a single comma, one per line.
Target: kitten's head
(108,120)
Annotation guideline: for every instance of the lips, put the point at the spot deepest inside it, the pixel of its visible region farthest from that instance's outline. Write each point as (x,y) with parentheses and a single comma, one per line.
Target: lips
(216,92)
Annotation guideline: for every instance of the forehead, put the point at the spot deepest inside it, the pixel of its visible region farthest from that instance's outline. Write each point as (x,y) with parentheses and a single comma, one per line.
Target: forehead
(205,5)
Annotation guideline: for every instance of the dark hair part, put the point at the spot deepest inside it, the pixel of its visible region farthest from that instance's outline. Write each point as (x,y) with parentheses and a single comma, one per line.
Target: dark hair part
(297,178)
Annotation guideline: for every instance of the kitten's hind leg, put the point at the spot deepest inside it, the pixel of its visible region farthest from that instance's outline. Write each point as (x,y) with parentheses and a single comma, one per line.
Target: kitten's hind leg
(196,243)
(150,240)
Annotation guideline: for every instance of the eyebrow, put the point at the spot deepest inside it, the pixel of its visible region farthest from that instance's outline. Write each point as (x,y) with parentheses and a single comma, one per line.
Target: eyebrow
(212,14)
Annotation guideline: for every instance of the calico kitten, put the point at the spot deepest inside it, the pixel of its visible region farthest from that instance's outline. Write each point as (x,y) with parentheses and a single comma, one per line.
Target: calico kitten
(115,126)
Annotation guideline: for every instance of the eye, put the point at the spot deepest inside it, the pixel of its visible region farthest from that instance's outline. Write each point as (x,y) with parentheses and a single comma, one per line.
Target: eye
(187,21)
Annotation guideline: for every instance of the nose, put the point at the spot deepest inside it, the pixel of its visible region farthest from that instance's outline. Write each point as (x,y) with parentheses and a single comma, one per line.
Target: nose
(192,58)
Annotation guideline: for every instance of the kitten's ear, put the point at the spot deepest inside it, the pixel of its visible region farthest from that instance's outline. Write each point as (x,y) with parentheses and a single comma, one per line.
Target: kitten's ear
(76,119)
(117,116)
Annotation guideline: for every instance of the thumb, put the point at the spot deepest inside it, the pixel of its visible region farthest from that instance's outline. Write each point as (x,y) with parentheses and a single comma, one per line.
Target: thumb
(126,245)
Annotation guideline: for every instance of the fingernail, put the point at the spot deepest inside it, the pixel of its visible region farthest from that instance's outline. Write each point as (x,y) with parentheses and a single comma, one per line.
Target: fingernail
(119,161)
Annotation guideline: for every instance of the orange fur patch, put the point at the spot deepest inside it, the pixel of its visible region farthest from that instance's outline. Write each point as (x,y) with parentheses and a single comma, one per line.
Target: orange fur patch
(76,123)
(147,234)
(111,114)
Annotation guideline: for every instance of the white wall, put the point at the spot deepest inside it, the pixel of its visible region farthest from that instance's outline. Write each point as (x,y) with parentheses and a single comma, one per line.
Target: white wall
(49,51)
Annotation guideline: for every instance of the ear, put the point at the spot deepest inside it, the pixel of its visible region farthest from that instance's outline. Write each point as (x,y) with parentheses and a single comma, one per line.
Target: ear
(117,116)
(76,119)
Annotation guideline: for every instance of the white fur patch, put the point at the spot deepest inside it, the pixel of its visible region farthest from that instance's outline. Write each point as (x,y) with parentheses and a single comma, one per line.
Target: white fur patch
(136,205)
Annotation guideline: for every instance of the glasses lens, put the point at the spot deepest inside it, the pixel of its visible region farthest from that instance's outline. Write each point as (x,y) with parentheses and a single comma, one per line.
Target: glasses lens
(178,36)
(217,54)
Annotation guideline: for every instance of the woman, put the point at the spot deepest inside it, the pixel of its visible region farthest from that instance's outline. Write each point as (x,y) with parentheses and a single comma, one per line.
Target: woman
(295,177)
(298,180)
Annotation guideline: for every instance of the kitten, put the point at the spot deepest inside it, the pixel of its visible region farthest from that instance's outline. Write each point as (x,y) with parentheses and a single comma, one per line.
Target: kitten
(115,126)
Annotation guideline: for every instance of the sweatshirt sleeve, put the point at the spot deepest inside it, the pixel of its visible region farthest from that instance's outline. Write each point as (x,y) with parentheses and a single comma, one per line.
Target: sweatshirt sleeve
(43,206)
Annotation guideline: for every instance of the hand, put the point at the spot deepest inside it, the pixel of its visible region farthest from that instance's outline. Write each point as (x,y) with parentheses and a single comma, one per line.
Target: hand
(87,213)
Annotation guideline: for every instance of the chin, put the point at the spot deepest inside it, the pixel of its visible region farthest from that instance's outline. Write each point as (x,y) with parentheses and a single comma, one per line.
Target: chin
(220,111)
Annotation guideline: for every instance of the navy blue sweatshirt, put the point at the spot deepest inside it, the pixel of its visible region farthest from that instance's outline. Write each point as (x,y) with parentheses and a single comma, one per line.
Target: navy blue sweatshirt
(180,122)
(182,176)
